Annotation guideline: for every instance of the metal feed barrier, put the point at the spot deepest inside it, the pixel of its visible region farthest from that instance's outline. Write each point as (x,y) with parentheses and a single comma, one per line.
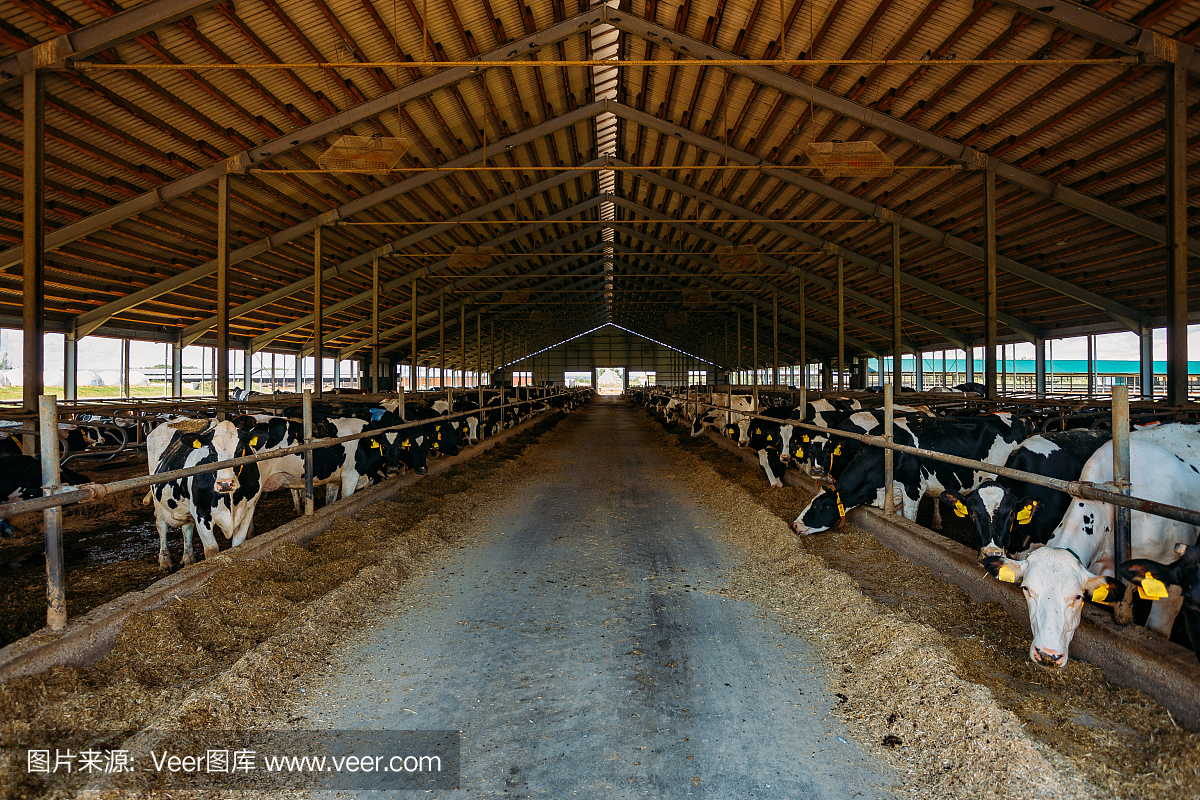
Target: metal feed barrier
(56,496)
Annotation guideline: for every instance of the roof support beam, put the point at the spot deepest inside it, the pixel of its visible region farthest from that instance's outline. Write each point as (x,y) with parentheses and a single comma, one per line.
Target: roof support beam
(102,35)
(1130,317)
(951,336)
(976,159)
(194,332)
(1019,326)
(264,339)
(90,320)
(1107,29)
(240,162)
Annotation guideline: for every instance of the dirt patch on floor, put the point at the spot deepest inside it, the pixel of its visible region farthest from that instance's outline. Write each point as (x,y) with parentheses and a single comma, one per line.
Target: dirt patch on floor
(218,658)
(942,685)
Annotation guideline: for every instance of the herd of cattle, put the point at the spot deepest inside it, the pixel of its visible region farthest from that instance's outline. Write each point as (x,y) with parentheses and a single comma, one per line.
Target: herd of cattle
(225,499)
(1057,548)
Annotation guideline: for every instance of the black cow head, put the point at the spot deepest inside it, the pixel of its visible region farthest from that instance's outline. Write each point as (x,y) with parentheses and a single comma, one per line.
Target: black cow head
(1001,521)
(1152,580)
(825,511)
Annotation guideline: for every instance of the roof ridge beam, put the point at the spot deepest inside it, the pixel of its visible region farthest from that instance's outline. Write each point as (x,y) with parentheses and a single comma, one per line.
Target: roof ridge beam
(100,35)
(953,337)
(1019,326)
(242,161)
(90,320)
(194,332)
(977,159)
(1110,30)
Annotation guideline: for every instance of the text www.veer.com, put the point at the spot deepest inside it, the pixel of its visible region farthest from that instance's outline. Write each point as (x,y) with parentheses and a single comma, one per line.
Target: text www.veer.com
(352,763)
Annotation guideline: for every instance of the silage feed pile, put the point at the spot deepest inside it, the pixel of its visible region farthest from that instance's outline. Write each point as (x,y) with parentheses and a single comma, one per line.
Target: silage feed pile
(219,657)
(940,686)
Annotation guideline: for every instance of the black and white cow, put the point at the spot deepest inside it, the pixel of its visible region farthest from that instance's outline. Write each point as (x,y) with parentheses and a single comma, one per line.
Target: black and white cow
(989,438)
(203,502)
(1153,578)
(21,479)
(972,387)
(1010,516)
(1078,559)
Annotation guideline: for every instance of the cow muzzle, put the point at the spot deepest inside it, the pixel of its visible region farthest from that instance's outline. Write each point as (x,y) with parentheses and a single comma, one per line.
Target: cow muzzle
(1047,657)
(227,486)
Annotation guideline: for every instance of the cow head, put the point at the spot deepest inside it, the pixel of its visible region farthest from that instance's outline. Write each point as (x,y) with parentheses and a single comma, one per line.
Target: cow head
(1152,579)
(412,448)
(223,442)
(769,460)
(1055,585)
(1001,521)
(825,511)
(472,429)
(744,431)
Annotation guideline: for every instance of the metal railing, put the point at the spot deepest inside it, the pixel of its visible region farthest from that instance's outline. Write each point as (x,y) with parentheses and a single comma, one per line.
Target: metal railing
(56,495)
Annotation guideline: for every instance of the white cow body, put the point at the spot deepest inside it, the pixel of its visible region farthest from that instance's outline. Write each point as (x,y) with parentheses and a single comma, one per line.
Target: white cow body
(1079,555)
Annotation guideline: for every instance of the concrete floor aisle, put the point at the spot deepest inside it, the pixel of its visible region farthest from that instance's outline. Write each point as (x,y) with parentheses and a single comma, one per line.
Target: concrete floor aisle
(580,644)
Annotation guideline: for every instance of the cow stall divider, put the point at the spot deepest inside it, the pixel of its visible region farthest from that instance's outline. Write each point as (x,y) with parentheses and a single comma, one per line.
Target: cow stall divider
(1128,655)
(56,496)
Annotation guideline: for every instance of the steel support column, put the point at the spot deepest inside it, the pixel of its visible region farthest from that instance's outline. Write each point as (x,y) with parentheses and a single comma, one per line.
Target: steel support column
(462,344)
(989,263)
(318,306)
(754,358)
(897,354)
(442,340)
(1146,362)
(1039,368)
(841,322)
(176,369)
(222,366)
(775,340)
(374,325)
(33,254)
(1177,236)
(803,334)
(71,365)
(413,367)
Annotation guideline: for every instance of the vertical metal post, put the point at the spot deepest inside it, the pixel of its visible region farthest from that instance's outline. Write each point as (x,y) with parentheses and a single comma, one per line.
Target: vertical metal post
(273,384)
(1177,235)
(222,359)
(33,253)
(71,365)
(841,321)
(442,339)
(309,502)
(177,368)
(337,372)
(1004,369)
(248,368)
(462,344)
(803,334)
(492,343)
(374,326)
(318,310)
(125,392)
(1122,551)
(479,369)
(1039,368)
(969,365)
(775,340)
(739,346)
(727,364)
(413,335)
(56,589)
(1091,365)
(1146,362)
(897,355)
(989,263)
(754,358)
(889,501)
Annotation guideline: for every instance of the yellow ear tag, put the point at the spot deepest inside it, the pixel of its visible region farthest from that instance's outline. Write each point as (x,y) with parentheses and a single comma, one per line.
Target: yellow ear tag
(799,453)
(1025,515)
(1100,594)
(406,443)
(837,451)
(253,441)
(962,511)
(196,444)
(1151,588)
(757,431)
(769,437)
(1006,574)
(804,438)
(376,445)
(841,508)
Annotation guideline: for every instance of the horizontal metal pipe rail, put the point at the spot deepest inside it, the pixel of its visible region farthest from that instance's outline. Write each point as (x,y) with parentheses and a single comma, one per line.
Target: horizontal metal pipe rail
(1085,490)
(97,491)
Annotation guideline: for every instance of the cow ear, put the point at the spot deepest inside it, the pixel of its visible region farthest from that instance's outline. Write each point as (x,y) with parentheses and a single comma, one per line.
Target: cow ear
(1025,511)
(954,501)
(1004,569)
(1150,577)
(1103,589)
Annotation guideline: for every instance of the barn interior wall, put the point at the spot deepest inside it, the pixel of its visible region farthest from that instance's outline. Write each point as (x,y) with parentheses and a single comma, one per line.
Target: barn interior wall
(610,348)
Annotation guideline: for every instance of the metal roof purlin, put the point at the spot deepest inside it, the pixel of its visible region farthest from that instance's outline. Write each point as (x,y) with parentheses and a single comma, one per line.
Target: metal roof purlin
(933,142)
(1126,315)
(89,321)
(240,162)
(1107,29)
